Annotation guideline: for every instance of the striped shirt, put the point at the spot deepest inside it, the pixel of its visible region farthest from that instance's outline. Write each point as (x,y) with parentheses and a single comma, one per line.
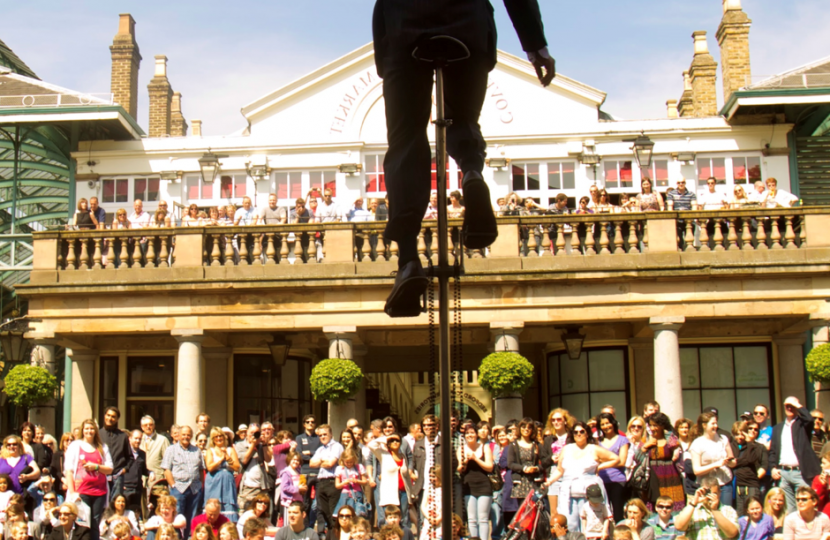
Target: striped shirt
(682,201)
(186,466)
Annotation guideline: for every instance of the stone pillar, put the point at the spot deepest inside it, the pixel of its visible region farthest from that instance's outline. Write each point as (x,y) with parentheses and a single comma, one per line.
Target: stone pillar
(668,384)
(671,108)
(340,346)
(161,95)
(178,125)
(733,38)
(83,385)
(506,339)
(216,385)
(197,128)
(821,336)
(359,352)
(43,355)
(190,376)
(125,62)
(642,385)
(790,348)
(704,74)
(686,105)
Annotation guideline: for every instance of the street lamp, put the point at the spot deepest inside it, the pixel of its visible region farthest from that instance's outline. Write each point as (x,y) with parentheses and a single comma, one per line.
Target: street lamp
(15,346)
(643,151)
(573,341)
(210,166)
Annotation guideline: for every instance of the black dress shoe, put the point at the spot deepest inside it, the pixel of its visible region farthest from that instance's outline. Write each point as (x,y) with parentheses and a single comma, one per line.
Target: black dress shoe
(410,284)
(480,229)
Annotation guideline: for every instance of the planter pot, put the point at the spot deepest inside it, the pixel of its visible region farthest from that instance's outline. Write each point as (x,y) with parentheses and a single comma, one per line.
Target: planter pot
(508,408)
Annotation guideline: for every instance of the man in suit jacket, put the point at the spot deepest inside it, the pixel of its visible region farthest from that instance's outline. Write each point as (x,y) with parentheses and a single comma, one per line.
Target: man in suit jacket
(398,26)
(135,475)
(791,455)
(421,457)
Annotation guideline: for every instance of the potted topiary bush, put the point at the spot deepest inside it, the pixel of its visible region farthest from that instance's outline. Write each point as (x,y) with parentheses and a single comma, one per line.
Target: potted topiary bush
(28,385)
(818,363)
(505,374)
(335,380)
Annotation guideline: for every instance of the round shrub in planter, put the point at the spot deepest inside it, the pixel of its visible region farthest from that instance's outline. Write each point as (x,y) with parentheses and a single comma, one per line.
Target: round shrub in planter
(818,363)
(335,380)
(28,385)
(505,373)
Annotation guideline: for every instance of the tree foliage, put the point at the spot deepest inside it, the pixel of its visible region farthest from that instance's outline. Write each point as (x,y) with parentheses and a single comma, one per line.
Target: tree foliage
(818,363)
(335,380)
(505,373)
(28,385)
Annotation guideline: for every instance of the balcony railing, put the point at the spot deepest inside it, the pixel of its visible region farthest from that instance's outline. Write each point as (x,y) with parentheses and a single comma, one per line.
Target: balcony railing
(606,236)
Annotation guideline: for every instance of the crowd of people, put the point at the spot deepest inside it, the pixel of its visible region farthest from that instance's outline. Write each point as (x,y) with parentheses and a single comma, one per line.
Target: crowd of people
(647,478)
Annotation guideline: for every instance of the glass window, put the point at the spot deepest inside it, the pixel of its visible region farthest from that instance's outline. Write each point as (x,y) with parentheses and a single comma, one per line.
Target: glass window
(375,180)
(196,189)
(267,391)
(233,186)
(146,189)
(731,378)
(114,190)
(289,185)
(584,386)
(525,176)
(109,383)
(323,180)
(618,174)
(150,376)
(451,183)
(659,172)
(562,175)
(160,410)
(746,170)
(708,167)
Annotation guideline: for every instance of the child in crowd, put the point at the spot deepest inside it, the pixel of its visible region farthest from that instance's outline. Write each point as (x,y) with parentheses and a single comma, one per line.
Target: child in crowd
(390,532)
(595,516)
(5,494)
(349,478)
(623,532)
(393,517)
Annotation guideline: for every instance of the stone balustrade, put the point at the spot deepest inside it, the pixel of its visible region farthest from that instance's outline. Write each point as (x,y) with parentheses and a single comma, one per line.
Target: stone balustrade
(558,238)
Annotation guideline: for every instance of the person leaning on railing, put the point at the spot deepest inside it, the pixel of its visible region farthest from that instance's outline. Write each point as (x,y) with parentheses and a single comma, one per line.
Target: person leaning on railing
(681,199)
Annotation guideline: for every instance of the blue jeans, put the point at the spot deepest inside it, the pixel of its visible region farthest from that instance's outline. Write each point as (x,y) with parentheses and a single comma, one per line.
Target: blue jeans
(404,507)
(188,504)
(496,517)
(478,515)
(96,504)
(575,505)
(726,497)
(791,481)
(116,487)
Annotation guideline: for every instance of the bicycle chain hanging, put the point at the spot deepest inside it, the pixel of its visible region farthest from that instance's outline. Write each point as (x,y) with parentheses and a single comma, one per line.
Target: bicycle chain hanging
(429,490)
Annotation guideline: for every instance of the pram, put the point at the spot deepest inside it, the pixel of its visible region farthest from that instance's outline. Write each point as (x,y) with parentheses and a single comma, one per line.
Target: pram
(532,520)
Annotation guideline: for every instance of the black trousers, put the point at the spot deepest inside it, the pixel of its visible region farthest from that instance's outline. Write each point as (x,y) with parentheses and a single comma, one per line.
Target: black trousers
(327,497)
(407,91)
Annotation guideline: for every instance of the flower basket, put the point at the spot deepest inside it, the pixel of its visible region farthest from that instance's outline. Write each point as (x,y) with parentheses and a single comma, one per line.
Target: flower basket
(28,385)
(335,380)
(505,373)
(818,363)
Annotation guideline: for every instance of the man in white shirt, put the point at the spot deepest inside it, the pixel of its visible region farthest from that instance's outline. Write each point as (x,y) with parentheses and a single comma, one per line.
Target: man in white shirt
(758,195)
(791,457)
(140,219)
(326,458)
(777,198)
(711,199)
(328,212)
(247,214)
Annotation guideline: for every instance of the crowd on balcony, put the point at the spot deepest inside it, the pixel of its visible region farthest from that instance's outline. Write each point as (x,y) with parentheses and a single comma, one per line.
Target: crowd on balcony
(641,478)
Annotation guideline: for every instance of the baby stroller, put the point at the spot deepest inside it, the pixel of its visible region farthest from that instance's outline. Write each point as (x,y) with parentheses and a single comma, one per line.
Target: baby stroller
(532,520)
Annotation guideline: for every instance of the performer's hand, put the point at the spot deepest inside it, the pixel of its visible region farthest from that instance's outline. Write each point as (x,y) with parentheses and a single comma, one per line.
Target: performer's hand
(542,59)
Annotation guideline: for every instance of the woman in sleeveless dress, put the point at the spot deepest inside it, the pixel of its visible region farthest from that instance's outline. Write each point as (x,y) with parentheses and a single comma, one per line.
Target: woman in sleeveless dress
(578,466)
(221,462)
(88,462)
(614,477)
(649,200)
(475,462)
(664,451)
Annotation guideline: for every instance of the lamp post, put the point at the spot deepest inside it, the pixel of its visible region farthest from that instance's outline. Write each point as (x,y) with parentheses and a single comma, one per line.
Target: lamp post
(573,341)
(643,151)
(210,167)
(15,346)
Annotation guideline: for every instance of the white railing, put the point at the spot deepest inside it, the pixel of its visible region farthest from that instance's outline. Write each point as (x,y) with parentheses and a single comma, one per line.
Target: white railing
(55,100)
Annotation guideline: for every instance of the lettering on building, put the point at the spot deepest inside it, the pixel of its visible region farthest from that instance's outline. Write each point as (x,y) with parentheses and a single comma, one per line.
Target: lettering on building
(345,107)
(500,103)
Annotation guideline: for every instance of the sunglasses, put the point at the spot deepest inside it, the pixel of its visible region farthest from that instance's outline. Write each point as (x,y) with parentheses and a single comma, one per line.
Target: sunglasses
(49,499)
(558,419)
(345,516)
(394,441)
(803,499)
(664,506)
(756,413)
(752,429)
(636,427)
(65,514)
(818,418)
(580,432)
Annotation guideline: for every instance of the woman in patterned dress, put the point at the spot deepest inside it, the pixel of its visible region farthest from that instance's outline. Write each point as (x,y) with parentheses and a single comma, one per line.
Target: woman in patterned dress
(663,452)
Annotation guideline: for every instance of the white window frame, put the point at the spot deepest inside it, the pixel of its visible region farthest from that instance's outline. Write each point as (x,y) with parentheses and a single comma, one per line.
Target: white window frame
(186,200)
(289,201)
(144,196)
(544,194)
(114,202)
(729,185)
(635,175)
(378,158)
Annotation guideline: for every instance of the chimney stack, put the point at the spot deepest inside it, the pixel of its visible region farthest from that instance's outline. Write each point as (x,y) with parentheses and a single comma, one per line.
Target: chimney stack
(671,108)
(125,62)
(178,125)
(686,106)
(704,73)
(197,128)
(733,38)
(161,96)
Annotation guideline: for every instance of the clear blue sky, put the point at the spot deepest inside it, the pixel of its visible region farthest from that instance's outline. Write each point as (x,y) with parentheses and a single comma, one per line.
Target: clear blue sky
(223,55)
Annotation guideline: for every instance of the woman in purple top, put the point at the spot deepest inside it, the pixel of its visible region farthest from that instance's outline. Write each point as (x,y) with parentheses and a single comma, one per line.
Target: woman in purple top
(613,477)
(285,443)
(761,525)
(17,464)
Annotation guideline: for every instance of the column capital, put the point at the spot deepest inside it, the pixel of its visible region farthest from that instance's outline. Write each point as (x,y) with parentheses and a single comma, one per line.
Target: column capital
(339,329)
(509,328)
(188,335)
(82,355)
(789,339)
(667,323)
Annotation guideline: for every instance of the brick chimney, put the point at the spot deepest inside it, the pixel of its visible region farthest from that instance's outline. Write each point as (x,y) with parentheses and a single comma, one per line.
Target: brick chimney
(178,125)
(161,96)
(125,63)
(671,108)
(704,74)
(733,38)
(197,128)
(686,106)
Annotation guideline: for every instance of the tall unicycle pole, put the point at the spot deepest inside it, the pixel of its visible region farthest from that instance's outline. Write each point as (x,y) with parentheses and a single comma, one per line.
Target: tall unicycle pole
(440,51)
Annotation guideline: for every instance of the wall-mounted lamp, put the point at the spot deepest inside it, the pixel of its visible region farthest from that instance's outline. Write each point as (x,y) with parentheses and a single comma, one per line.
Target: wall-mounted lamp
(350,168)
(279,350)
(210,166)
(686,157)
(173,176)
(498,163)
(643,151)
(573,341)
(259,172)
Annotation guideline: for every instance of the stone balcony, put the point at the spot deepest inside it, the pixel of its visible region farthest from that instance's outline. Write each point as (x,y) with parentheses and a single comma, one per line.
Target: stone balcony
(735,263)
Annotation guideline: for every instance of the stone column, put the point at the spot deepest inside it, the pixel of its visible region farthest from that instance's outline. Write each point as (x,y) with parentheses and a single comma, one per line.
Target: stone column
(821,335)
(791,365)
(216,385)
(43,355)
(340,346)
(360,352)
(190,376)
(642,374)
(506,339)
(668,384)
(83,385)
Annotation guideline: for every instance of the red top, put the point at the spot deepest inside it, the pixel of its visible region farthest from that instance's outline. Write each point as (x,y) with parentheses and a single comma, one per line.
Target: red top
(202,518)
(401,487)
(823,495)
(90,483)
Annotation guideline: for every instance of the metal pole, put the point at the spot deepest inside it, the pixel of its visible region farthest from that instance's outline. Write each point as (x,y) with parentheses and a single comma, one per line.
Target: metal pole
(16,143)
(443,309)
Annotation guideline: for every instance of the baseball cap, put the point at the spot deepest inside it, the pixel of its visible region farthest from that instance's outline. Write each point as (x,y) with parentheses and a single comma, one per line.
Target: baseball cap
(746,415)
(242,426)
(594,494)
(712,410)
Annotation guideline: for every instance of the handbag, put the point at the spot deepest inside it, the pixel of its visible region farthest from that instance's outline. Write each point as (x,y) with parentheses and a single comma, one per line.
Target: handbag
(496,481)
(640,474)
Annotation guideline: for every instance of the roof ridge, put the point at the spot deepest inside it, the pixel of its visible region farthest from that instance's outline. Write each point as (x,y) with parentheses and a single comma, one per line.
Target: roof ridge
(10,60)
